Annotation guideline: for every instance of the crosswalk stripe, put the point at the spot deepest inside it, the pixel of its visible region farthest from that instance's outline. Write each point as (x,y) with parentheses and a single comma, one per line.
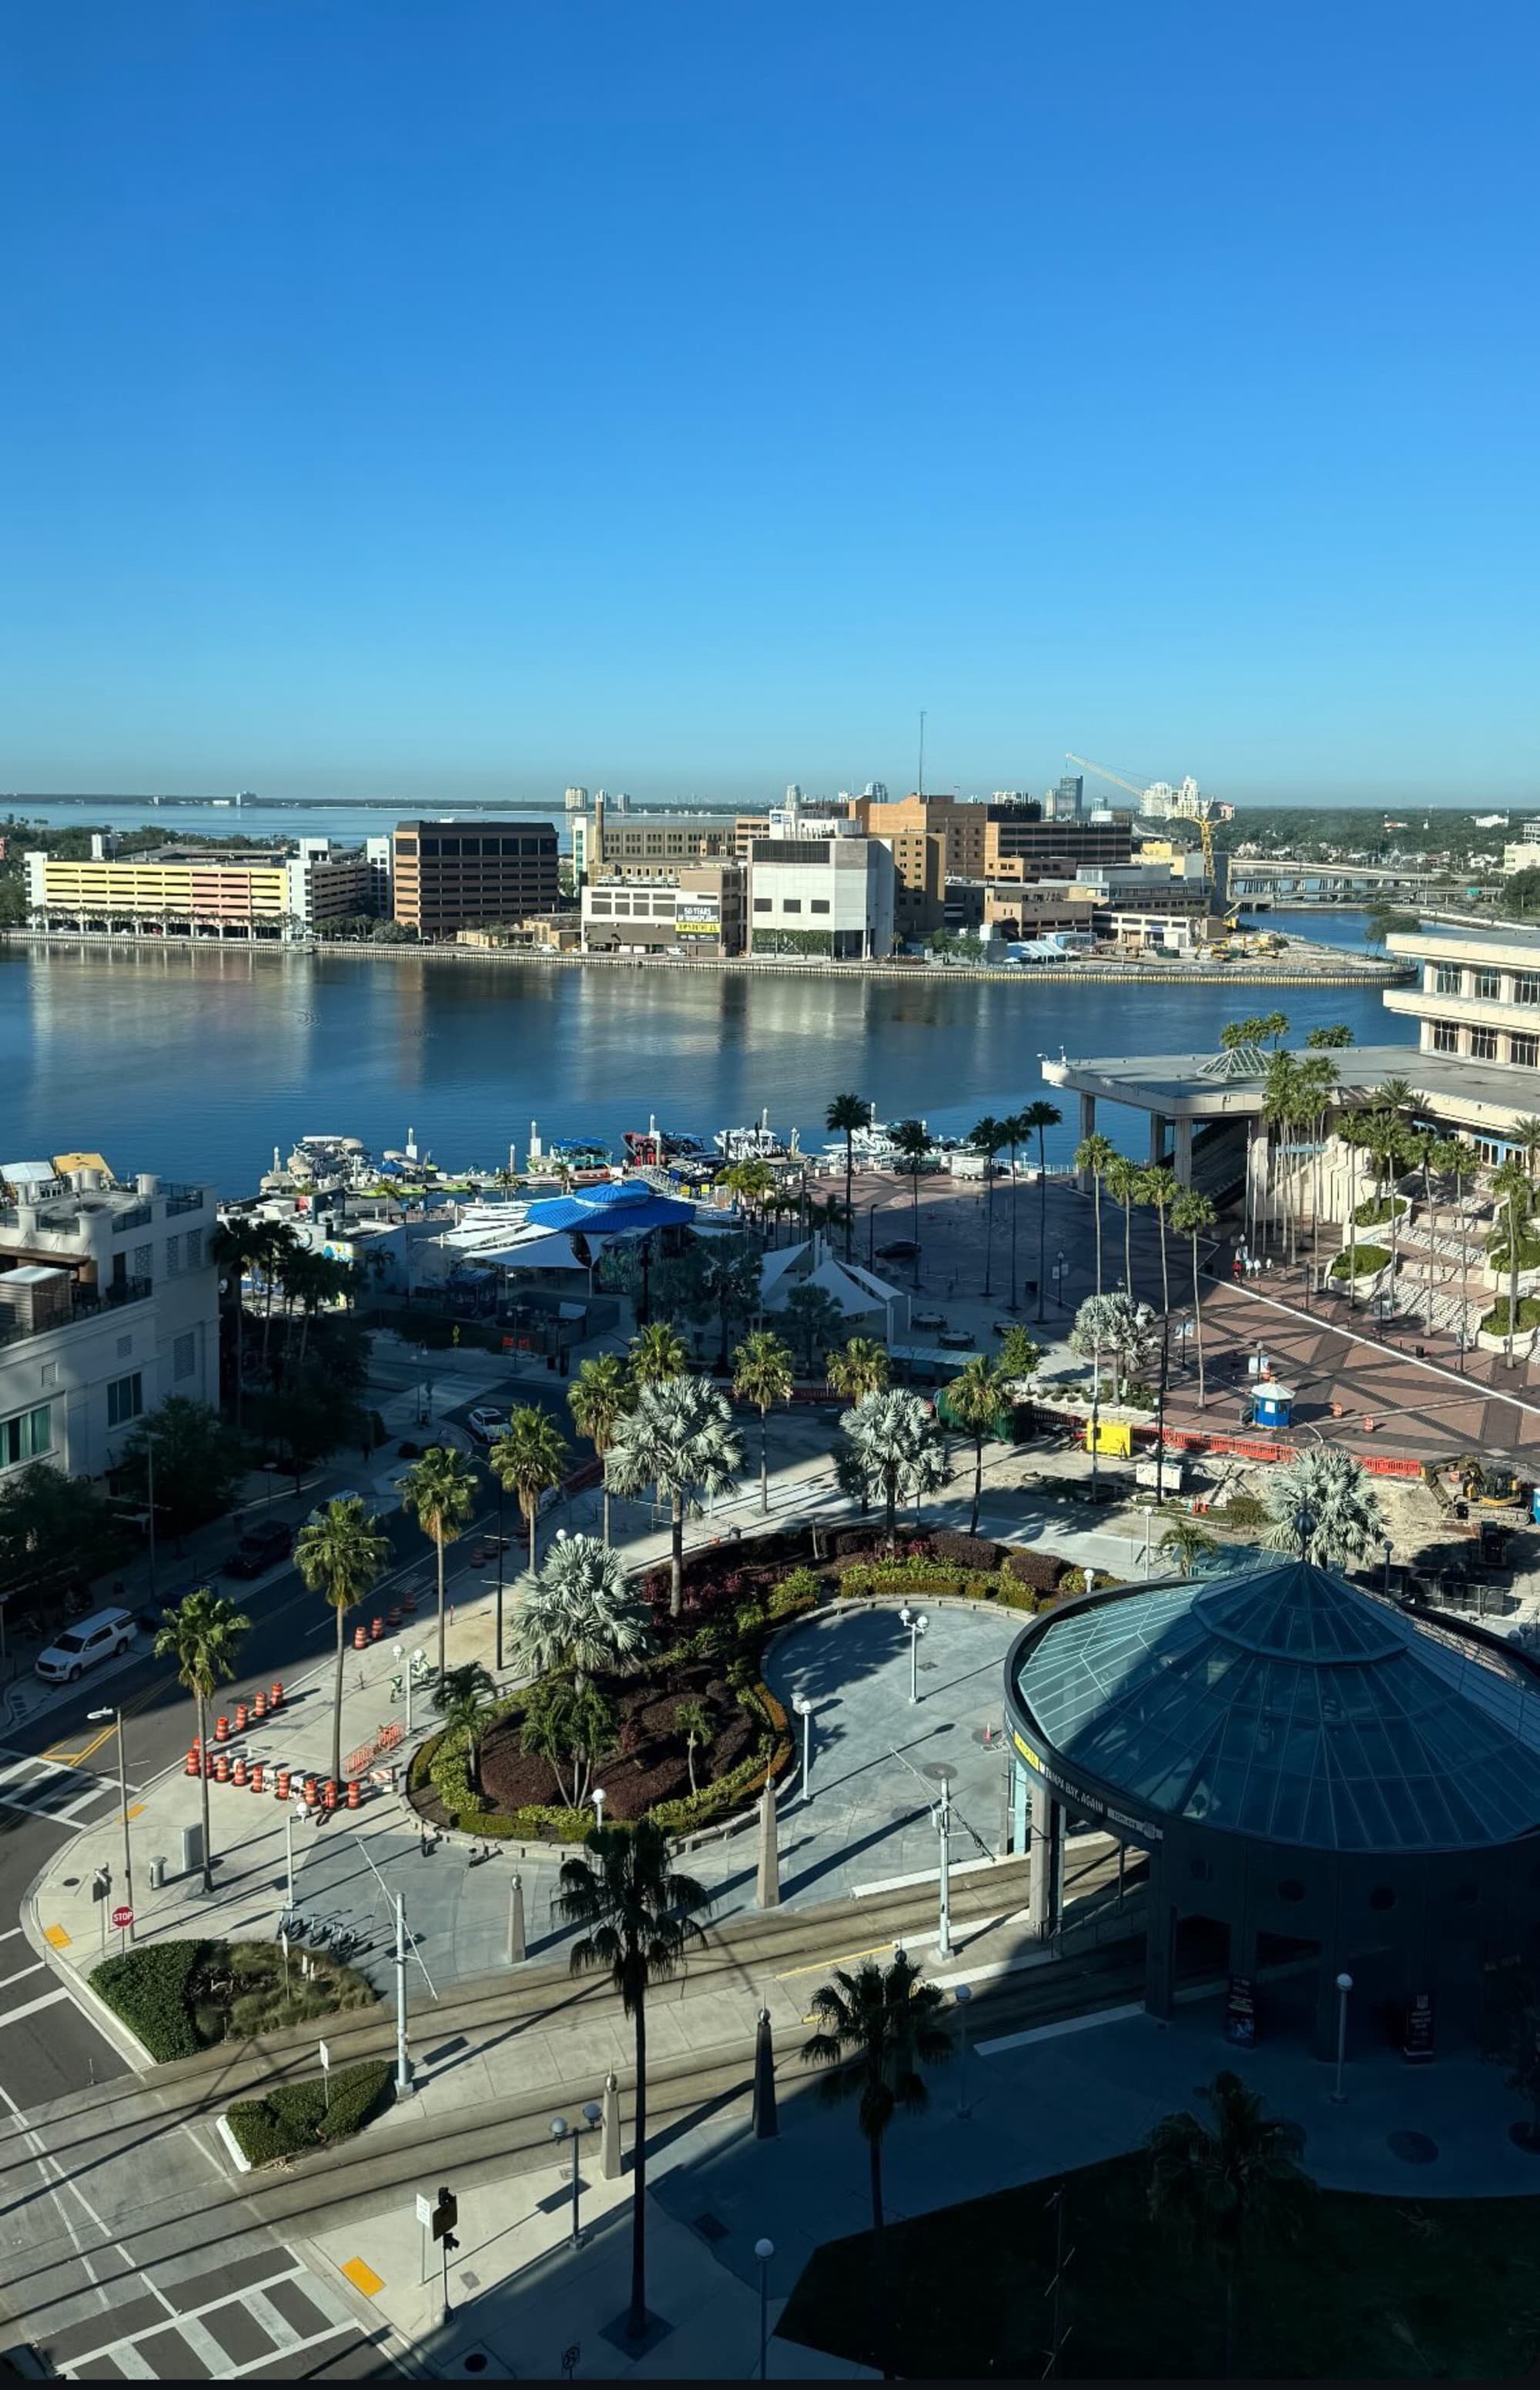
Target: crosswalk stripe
(14,2016)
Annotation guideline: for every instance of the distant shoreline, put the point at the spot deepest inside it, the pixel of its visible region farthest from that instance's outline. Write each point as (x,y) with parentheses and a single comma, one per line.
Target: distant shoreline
(1333,972)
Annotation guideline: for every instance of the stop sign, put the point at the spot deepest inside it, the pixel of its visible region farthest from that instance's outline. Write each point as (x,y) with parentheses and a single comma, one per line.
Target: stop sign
(122,1917)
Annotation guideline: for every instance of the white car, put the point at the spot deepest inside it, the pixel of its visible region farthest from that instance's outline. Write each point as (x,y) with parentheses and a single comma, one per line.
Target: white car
(101,1636)
(486,1425)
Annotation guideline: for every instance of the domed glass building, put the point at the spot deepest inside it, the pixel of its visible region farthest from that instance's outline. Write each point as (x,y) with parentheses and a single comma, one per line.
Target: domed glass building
(1323,1785)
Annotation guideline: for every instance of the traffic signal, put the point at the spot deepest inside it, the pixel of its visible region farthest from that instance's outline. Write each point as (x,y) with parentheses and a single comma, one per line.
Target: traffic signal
(446,2216)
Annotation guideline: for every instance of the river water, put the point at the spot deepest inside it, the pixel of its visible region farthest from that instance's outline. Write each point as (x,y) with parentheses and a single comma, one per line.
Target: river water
(198,1064)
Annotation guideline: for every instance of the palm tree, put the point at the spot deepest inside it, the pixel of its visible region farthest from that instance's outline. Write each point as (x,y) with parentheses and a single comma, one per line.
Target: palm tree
(893,1447)
(530,1458)
(860,1367)
(1336,1036)
(1511,1185)
(1095,1153)
(1117,1325)
(1353,1130)
(598,1397)
(1158,1187)
(845,1116)
(461,1699)
(1188,1542)
(762,1375)
(680,1439)
(234,1247)
(1323,1508)
(341,1550)
(656,1353)
(975,1399)
(203,1636)
(1042,1117)
(912,1144)
(877,2028)
(1122,1182)
(1449,1156)
(1385,1134)
(577,1610)
(1279,1109)
(439,1491)
(1227,2186)
(693,1720)
(1192,1215)
(276,1242)
(1524,1137)
(1017,1128)
(987,1136)
(640,1922)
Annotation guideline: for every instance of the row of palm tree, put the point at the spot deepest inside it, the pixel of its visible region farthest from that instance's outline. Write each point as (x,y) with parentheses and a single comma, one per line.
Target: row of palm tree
(1184,1209)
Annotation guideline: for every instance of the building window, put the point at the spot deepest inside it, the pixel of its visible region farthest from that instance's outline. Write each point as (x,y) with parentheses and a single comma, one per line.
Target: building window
(791,904)
(174,1255)
(26,1436)
(143,1262)
(1526,987)
(1447,980)
(1487,985)
(818,903)
(1483,1045)
(183,1355)
(125,1400)
(1525,1051)
(1447,1037)
(761,904)
(193,1248)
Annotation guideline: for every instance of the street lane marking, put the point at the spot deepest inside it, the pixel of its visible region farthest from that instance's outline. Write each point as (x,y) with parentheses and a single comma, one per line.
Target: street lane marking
(49,2000)
(9,1934)
(362,2278)
(69,1756)
(21,1974)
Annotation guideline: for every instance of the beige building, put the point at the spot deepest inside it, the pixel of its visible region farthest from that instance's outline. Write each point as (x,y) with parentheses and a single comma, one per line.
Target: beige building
(696,909)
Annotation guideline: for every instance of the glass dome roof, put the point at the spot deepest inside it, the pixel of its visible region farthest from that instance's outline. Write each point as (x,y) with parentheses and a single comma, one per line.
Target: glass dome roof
(1281,1702)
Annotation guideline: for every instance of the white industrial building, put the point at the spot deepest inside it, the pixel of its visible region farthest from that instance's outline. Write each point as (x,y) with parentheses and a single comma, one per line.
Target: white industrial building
(108,1303)
(826,891)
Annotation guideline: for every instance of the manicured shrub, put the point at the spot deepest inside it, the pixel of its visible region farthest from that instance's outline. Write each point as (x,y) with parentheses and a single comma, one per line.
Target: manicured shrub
(450,1770)
(797,1591)
(299,2116)
(1244,1510)
(1039,1570)
(748,1620)
(1528,1315)
(148,1988)
(965,1551)
(1360,1262)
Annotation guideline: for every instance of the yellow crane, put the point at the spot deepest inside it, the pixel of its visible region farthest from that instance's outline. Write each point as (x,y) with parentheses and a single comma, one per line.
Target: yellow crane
(1196,813)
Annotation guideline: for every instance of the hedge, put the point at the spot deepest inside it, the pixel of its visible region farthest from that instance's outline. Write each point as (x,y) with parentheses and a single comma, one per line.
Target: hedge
(1377,1210)
(1496,1322)
(299,2116)
(1361,1263)
(148,1988)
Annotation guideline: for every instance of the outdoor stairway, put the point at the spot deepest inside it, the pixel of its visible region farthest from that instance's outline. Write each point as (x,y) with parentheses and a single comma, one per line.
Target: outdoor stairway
(1219,1160)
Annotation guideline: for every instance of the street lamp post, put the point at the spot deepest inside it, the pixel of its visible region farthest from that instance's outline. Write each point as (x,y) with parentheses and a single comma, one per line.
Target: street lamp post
(916,1622)
(1388,1550)
(1148,1523)
(962,1995)
(943,1831)
(115,1712)
(592,2114)
(597,1797)
(1344,1985)
(763,2251)
(803,1708)
(499,1629)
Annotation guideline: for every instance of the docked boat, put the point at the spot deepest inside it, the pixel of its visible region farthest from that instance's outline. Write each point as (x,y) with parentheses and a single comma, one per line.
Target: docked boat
(760,1143)
(662,1148)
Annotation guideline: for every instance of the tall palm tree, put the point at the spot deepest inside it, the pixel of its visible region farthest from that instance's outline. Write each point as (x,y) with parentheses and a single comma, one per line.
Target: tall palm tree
(1095,1153)
(912,1144)
(893,1447)
(577,1610)
(1158,1187)
(1324,1501)
(599,1398)
(439,1491)
(1123,1184)
(762,1375)
(680,1439)
(530,1458)
(340,1550)
(1511,1185)
(860,1367)
(461,1699)
(1016,1130)
(1524,1137)
(1227,2187)
(1353,1130)
(975,1399)
(987,1137)
(234,1247)
(1279,1110)
(656,1353)
(1192,1215)
(203,1636)
(1450,1157)
(877,2028)
(1042,1117)
(1276,1026)
(845,1116)
(640,1922)
(276,1242)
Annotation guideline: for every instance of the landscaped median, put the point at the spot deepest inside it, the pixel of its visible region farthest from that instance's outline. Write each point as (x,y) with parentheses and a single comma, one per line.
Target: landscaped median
(179,1997)
(296,2118)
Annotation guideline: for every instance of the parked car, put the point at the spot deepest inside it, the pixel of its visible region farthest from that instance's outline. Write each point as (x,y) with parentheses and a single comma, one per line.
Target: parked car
(486,1425)
(261,1548)
(902,1249)
(100,1637)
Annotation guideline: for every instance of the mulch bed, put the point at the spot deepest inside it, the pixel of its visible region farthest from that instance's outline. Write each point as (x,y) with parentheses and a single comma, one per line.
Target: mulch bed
(651,1766)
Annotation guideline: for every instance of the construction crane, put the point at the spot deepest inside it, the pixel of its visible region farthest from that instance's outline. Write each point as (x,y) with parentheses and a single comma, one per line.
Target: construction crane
(1194,809)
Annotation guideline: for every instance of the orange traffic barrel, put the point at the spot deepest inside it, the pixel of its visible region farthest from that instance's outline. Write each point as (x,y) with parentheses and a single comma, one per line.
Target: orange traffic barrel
(329,1793)
(360,1639)
(275,1699)
(242,1714)
(282,1783)
(394,1618)
(257,1767)
(355,1795)
(308,1791)
(208,1762)
(222,1729)
(195,1762)
(238,1772)
(376,1628)
(222,1769)
(259,1707)
(409,1604)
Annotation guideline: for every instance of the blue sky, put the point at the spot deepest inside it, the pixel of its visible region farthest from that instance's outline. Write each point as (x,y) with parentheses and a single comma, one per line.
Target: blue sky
(465,397)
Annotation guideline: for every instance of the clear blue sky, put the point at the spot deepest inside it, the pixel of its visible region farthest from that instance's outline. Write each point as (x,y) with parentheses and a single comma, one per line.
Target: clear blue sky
(467,396)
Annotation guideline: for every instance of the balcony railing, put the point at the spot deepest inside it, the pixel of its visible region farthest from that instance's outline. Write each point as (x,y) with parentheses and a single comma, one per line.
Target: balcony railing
(140,1217)
(85,1303)
(184,1198)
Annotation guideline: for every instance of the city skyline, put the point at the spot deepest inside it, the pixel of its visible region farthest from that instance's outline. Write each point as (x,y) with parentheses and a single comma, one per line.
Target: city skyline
(681,404)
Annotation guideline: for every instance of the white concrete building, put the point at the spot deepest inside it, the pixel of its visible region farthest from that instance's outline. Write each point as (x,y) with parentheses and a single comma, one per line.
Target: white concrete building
(108,1303)
(830,895)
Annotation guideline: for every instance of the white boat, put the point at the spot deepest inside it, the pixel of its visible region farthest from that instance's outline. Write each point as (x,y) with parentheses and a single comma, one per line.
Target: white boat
(760,1143)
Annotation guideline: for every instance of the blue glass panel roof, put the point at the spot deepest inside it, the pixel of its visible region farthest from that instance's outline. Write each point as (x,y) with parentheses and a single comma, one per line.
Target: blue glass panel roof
(1284,1703)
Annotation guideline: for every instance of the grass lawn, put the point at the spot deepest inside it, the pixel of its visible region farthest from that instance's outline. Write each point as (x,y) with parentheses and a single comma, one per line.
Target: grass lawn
(1377,2288)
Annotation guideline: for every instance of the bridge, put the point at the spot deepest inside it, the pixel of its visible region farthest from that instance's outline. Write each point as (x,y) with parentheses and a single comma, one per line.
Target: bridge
(1273,875)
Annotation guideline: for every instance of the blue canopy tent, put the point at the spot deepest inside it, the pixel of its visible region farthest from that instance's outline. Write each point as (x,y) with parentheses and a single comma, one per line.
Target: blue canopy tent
(593,1215)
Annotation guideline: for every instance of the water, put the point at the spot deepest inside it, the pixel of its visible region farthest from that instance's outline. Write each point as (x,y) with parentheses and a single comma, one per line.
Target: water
(198,1064)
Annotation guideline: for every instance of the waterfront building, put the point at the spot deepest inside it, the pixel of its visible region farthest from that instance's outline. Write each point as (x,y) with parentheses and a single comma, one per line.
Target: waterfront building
(108,1303)
(1019,844)
(654,909)
(457,875)
(830,895)
(1477,992)
(1320,1784)
(199,892)
(600,842)
(961,824)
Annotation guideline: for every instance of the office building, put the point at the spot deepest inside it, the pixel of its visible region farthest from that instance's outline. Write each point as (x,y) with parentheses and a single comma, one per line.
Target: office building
(958,823)
(459,874)
(195,891)
(108,1303)
(685,908)
(1019,844)
(830,895)
(601,842)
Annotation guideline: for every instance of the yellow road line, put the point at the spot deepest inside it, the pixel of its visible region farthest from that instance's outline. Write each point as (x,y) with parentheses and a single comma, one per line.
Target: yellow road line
(821,1966)
(73,1756)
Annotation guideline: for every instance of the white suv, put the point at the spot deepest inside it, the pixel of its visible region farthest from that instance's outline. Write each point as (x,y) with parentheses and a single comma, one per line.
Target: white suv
(100,1637)
(486,1425)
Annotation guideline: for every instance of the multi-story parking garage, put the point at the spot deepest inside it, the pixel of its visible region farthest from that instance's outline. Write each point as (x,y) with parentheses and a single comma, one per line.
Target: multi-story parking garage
(1324,1785)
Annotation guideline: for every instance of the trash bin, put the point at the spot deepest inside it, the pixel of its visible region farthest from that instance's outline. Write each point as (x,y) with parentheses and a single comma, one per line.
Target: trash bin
(156,1874)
